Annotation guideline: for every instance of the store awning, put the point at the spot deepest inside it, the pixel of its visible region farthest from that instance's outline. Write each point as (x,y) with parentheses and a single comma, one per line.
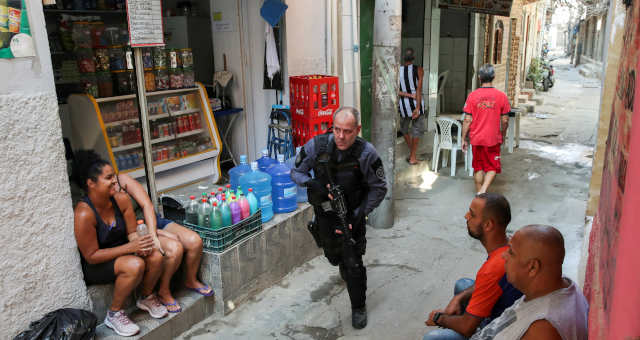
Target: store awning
(495,7)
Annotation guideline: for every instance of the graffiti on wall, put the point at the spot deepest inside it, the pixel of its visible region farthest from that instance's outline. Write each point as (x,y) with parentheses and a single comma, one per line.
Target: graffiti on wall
(606,225)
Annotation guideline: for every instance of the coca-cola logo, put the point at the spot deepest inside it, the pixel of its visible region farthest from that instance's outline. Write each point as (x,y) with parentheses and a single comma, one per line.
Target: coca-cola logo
(325,113)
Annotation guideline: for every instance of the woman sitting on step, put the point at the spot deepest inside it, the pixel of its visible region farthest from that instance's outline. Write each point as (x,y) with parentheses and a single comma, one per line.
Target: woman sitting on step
(105,230)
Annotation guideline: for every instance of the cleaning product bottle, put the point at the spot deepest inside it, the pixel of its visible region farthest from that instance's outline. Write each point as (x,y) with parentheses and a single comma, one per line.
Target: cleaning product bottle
(225,212)
(191,212)
(283,189)
(219,194)
(228,192)
(236,172)
(212,198)
(236,212)
(203,213)
(261,183)
(253,202)
(215,220)
(238,191)
(244,206)
(265,161)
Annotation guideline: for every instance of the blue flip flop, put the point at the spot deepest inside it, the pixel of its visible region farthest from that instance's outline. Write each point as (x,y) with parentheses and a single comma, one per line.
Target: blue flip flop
(205,291)
(175,303)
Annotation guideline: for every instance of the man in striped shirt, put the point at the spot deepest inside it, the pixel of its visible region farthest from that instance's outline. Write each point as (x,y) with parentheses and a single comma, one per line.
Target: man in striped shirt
(410,103)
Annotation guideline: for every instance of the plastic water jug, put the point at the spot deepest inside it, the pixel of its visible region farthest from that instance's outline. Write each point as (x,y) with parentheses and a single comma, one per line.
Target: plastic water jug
(260,182)
(203,213)
(283,189)
(236,172)
(253,202)
(215,220)
(225,212)
(301,190)
(265,161)
(191,212)
(244,206)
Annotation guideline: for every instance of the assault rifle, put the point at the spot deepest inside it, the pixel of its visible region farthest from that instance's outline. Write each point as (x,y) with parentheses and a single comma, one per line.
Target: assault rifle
(339,206)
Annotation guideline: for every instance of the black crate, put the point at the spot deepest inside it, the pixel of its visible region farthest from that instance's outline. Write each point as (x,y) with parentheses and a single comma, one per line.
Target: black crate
(221,239)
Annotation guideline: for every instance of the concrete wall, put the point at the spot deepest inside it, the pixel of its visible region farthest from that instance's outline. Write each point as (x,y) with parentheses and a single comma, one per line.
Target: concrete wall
(41,264)
(611,277)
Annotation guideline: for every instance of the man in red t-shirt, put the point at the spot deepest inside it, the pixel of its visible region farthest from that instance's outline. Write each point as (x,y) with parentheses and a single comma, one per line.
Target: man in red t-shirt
(476,303)
(486,121)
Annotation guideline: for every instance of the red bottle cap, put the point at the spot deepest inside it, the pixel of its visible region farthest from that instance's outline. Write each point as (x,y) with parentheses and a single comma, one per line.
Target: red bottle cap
(228,186)
(192,197)
(251,189)
(204,200)
(140,221)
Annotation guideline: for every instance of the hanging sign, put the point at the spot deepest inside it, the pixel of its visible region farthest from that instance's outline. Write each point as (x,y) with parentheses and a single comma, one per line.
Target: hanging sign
(145,23)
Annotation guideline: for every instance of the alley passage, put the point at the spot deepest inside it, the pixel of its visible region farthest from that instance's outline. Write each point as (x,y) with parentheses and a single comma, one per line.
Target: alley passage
(412,267)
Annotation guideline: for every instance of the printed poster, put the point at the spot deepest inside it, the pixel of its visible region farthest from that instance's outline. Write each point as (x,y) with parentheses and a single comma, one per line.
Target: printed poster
(15,35)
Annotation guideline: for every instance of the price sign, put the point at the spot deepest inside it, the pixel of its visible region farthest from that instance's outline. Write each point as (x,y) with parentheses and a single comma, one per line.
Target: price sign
(145,23)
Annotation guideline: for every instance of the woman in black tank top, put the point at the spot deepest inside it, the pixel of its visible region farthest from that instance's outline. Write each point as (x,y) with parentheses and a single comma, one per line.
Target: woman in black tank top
(103,220)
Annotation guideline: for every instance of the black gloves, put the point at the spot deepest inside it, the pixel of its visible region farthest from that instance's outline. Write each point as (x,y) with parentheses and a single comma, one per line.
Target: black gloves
(316,192)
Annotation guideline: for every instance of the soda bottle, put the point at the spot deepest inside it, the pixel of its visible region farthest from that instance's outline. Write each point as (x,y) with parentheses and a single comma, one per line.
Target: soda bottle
(203,213)
(191,213)
(244,206)
(219,194)
(215,220)
(236,212)
(253,202)
(225,212)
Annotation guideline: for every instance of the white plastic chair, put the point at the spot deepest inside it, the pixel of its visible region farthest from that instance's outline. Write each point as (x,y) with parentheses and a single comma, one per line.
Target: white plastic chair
(446,142)
(442,81)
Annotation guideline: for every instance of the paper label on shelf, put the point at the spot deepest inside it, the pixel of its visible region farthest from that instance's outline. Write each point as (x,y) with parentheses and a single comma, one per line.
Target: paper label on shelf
(289,192)
(145,22)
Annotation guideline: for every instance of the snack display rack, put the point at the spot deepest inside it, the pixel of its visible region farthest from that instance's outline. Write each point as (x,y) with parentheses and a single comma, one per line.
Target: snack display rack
(185,139)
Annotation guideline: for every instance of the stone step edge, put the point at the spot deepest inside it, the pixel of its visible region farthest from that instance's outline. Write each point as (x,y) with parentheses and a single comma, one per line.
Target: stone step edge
(195,308)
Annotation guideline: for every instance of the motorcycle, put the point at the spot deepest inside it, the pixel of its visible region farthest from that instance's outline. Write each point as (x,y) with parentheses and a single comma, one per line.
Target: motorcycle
(547,76)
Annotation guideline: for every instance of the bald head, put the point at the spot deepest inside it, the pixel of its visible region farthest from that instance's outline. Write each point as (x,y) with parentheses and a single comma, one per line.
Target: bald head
(349,113)
(543,242)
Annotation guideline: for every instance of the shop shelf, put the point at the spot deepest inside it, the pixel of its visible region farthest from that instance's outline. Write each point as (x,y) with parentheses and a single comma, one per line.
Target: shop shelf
(157,140)
(85,11)
(154,117)
(173,163)
(161,93)
(115,99)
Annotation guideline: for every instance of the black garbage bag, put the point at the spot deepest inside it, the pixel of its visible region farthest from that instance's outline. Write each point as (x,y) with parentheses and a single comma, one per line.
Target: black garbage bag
(62,324)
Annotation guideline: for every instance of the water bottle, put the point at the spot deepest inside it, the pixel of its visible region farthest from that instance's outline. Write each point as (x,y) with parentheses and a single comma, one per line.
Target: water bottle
(236,212)
(203,213)
(191,213)
(236,172)
(219,194)
(215,220)
(142,230)
(261,184)
(225,212)
(244,206)
(283,189)
(301,190)
(265,161)
(253,202)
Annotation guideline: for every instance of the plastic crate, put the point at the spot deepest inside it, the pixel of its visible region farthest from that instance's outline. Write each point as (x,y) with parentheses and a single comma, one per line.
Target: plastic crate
(313,96)
(221,239)
(304,130)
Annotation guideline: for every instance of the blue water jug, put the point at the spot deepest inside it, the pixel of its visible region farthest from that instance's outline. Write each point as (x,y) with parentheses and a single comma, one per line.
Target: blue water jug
(301,190)
(283,189)
(237,171)
(265,161)
(260,182)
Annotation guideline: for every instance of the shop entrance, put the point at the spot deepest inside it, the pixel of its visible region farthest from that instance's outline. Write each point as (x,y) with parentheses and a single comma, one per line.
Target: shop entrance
(96,88)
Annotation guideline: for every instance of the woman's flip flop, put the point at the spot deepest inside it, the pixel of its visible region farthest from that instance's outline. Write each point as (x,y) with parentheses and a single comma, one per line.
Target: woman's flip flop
(174,304)
(206,290)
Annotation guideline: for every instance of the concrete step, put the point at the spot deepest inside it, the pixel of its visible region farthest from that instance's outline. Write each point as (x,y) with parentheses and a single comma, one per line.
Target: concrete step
(195,308)
(523,98)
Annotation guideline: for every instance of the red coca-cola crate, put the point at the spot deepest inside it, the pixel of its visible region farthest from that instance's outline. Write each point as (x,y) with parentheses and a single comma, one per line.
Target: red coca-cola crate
(313,100)
(313,96)
(304,130)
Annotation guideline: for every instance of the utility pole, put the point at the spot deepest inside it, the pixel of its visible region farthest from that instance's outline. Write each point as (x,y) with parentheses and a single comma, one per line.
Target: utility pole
(387,28)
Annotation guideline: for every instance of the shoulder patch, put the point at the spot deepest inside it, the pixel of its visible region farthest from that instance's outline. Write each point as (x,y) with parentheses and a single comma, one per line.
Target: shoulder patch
(378,169)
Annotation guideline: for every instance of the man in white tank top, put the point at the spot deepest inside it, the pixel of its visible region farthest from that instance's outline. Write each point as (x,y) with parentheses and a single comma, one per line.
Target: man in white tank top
(552,306)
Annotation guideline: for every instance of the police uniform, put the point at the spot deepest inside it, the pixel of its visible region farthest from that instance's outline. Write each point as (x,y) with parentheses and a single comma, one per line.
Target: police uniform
(359,171)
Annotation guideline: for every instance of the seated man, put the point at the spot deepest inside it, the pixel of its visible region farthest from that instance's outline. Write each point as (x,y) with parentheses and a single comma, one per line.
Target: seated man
(477,303)
(552,306)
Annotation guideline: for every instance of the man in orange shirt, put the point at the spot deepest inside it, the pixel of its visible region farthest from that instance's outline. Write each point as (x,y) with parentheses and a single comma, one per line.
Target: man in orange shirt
(476,303)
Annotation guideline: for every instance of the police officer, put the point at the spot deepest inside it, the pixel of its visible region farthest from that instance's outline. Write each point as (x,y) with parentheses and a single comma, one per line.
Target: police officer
(346,160)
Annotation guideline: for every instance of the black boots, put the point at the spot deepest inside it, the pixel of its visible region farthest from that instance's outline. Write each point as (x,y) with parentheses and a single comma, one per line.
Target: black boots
(359,317)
